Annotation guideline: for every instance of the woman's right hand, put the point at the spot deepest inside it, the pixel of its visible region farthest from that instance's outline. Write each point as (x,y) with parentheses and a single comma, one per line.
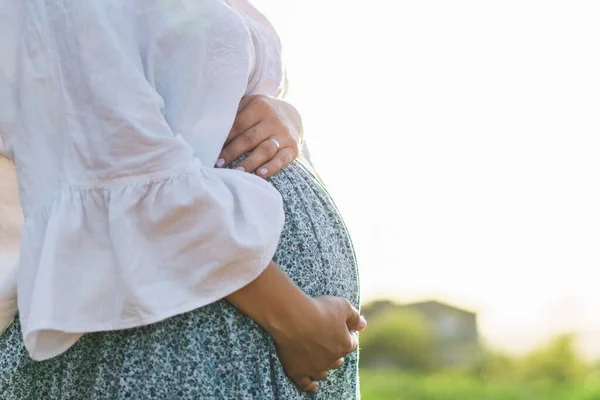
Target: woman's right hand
(319,343)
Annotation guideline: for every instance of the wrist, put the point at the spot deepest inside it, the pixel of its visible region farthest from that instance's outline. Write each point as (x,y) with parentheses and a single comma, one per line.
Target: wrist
(275,302)
(294,319)
(292,118)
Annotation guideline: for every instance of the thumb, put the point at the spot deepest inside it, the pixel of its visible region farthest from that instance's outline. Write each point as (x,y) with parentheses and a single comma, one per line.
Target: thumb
(355,321)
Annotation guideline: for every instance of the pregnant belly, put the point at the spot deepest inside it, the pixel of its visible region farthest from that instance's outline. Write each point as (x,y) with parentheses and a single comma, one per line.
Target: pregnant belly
(315,249)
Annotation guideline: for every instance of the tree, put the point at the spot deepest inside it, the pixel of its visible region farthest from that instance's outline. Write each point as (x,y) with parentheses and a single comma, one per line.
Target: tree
(557,361)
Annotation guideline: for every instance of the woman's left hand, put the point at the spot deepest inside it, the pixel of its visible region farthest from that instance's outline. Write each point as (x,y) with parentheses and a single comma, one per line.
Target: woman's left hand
(270,129)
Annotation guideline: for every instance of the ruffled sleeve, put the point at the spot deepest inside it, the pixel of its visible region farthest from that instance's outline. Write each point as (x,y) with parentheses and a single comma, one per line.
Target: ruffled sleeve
(115,256)
(126,221)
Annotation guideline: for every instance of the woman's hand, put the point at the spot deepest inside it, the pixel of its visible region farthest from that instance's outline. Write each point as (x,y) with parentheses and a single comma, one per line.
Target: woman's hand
(311,334)
(307,351)
(270,128)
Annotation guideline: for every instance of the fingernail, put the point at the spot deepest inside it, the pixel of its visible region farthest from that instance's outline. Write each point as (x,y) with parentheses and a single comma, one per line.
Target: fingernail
(220,162)
(240,168)
(362,324)
(263,171)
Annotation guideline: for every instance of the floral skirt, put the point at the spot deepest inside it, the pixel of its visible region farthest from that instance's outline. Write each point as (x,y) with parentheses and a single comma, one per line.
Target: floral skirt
(214,352)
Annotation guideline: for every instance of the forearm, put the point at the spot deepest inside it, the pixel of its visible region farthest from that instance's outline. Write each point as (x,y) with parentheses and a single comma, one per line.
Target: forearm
(274,301)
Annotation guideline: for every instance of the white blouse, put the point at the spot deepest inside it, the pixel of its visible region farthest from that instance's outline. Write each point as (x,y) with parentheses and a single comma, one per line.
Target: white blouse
(114,113)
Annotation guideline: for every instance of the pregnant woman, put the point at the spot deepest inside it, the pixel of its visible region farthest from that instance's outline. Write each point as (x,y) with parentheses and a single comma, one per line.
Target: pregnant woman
(146,272)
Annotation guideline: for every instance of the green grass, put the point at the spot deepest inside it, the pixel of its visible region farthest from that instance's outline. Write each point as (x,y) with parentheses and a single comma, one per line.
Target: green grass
(392,385)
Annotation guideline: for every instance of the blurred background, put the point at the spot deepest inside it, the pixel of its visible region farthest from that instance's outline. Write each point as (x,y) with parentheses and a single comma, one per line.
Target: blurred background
(460,140)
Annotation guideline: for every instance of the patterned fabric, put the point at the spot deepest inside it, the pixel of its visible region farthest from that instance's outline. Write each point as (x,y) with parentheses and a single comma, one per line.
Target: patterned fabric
(214,352)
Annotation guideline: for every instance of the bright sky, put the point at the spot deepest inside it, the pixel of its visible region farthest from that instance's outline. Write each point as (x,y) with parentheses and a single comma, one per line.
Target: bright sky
(461,141)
